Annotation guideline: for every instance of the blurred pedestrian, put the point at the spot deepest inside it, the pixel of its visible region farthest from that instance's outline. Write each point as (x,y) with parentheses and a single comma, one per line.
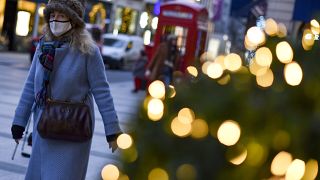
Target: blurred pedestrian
(138,72)
(67,69)
(164,61)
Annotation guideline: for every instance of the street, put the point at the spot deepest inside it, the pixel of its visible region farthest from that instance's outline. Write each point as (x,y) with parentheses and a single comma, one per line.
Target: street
(13,72)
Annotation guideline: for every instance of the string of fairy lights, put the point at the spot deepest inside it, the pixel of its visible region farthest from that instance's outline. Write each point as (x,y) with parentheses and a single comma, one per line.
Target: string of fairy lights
(229,132)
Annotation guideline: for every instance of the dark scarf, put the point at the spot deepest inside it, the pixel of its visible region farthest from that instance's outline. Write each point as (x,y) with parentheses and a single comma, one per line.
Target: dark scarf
(46,58)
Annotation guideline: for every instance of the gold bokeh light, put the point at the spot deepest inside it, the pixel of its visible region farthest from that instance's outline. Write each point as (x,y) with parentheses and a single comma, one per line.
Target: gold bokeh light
(214,70)
(293,74)
(240,158)
(172,91)
(110,172)
(315,27)
(284,52)
(256,69)
(282,30)
(155,109)
(311,171)
(233,62)
(271,27)
(186,172)
(220,60)
(180,129)
(266,79)
(157,89)
(255,36)
(192,70)
(264,56)
(186,116)
(295,170)
(280,163)
(229,133)
(205,66)
(158,174)
(200,129)
(124,141)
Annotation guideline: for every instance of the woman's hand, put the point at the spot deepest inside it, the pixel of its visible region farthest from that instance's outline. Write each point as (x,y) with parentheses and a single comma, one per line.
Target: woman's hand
(17,132)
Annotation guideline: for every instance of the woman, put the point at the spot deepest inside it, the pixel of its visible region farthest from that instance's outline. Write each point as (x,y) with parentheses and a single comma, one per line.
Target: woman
(78,71)
(164,61)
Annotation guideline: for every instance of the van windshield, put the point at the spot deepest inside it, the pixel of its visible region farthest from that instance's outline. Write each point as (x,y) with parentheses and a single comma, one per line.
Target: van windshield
(113,42)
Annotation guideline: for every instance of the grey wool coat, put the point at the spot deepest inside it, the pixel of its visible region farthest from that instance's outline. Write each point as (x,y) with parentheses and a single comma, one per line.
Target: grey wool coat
(74,76)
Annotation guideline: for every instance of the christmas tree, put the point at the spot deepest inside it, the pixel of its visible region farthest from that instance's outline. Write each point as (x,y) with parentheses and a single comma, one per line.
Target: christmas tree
(257,118)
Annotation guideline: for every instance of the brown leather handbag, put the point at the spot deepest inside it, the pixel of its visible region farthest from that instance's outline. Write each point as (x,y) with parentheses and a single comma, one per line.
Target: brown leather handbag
(70,121)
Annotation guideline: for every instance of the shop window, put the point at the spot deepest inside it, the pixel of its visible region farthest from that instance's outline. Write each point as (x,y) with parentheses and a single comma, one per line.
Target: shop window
(181,33)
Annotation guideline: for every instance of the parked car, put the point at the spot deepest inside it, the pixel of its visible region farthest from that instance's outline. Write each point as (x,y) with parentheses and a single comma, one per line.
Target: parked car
(121,51)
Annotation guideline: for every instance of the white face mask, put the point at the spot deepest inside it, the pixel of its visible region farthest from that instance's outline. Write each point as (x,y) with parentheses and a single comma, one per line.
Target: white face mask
(59,27)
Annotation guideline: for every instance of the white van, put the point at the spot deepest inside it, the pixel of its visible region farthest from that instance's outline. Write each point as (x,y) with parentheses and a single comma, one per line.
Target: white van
(121,51)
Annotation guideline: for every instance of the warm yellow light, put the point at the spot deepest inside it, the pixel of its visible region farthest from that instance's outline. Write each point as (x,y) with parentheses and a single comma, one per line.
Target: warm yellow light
(229,133)
(233,62)
(200,129)
(186,171)
(180,129)
(255,35)
(172,91)
(23,20)
(256,69)
(264,56)
(224,80)
(205,66)
(157,89)
(282,30)
(155,109)
(186,116)
(266,79)
(206,56)
(220,60)
(315,27)
(214,70)
(130,155)
(192,70)
(307,39)
(293,74)
(284,52)
(123,177)
(249,45)
(110,172)
(271,27)
(124,141)
(240,159)
(154,23)
(280,163)
(158,174)
(256,154)
(295,170)
(40,10)
(311,170)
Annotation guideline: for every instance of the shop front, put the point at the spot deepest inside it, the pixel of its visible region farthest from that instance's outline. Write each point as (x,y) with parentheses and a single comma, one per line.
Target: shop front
(189,23)
(22,20)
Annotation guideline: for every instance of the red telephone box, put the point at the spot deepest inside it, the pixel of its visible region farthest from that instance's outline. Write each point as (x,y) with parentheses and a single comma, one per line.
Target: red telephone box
(188,22)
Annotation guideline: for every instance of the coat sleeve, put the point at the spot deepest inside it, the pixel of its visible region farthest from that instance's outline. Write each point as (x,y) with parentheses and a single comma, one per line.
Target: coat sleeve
(100,89)
(27,99)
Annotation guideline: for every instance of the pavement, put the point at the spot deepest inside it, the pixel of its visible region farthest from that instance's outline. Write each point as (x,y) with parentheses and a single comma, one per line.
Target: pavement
(13,71)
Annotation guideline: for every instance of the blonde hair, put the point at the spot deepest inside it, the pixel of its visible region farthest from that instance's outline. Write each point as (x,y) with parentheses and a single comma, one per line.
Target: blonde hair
(79,39)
